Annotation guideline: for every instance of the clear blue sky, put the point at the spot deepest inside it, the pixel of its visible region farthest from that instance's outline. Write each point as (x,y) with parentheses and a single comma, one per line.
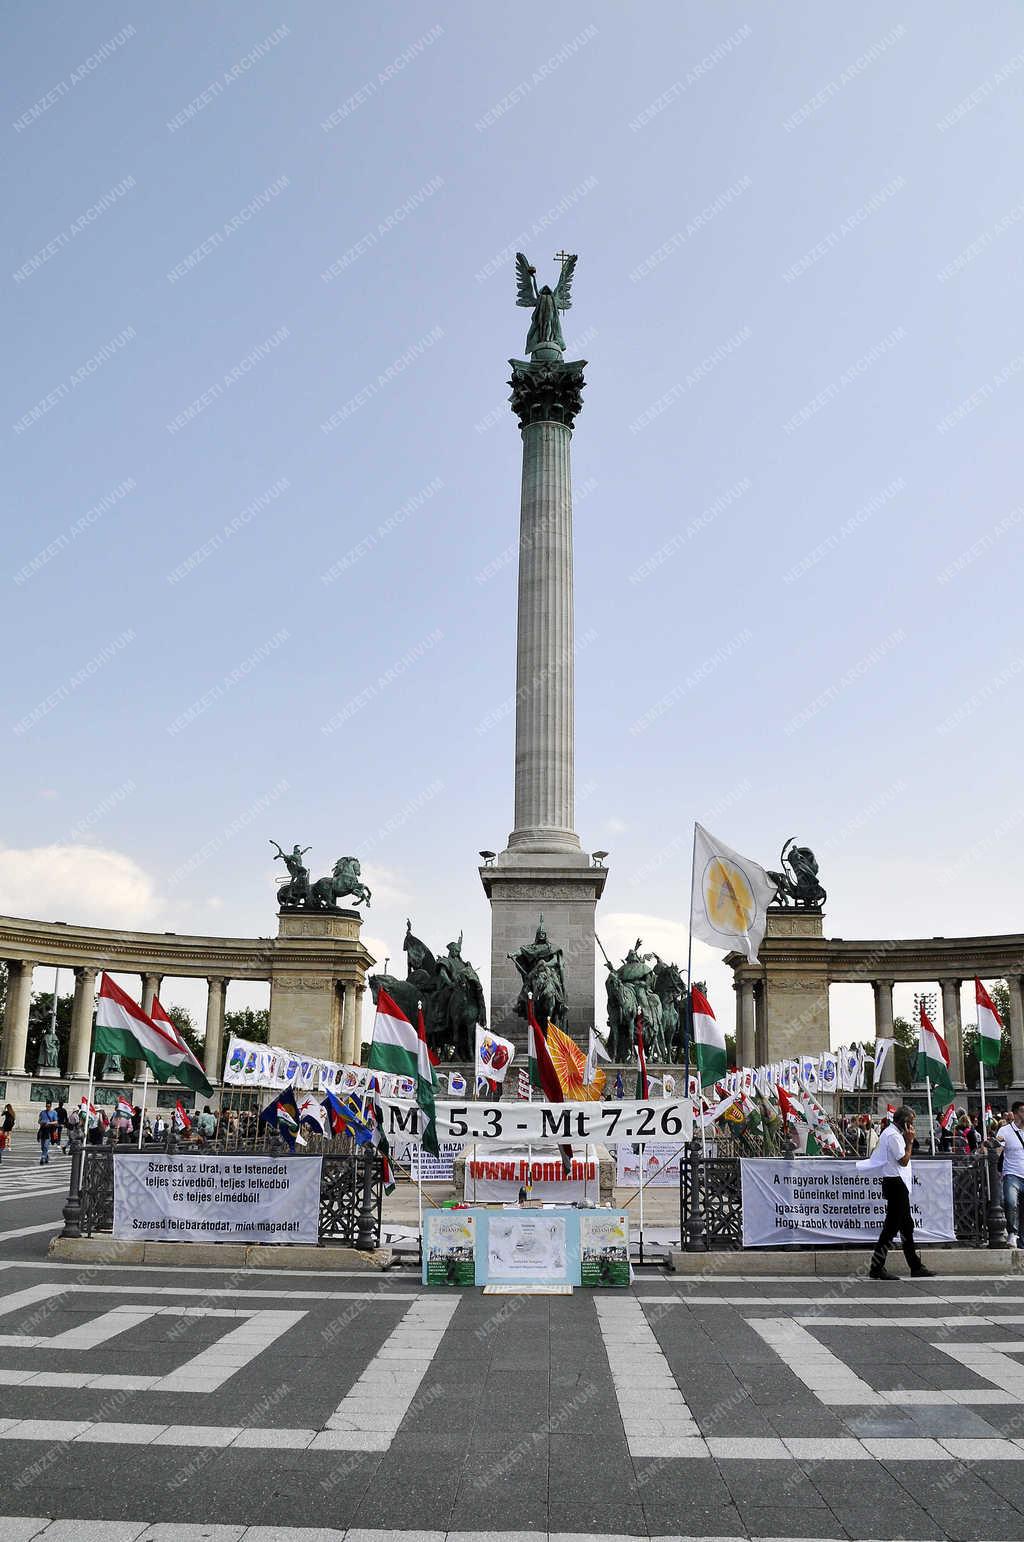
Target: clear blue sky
(777,293)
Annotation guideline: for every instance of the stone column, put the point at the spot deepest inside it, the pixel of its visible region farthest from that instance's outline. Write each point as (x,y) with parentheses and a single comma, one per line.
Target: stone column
(151,984)
(357,1040)
(952,1029)
(745,1024)
(883,1030)
(349,1048)
(760,1028)
(19,1001)
(1014,984)
(80,1046)
(213,1052)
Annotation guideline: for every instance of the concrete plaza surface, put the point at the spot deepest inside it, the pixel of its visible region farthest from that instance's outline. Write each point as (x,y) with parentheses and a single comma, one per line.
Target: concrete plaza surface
(206,1404)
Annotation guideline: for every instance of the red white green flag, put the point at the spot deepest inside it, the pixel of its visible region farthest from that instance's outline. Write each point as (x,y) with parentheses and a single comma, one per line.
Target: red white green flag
(401,1049)
(161,1019)
(932,1055)
(708,1040)
(123,1028)
(990,1027)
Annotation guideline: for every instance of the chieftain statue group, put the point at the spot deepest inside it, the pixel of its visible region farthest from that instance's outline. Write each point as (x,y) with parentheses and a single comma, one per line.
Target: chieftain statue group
(644,988)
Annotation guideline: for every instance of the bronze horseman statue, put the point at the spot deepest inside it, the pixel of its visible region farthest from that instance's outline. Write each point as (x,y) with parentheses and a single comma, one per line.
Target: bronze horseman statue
(797,884)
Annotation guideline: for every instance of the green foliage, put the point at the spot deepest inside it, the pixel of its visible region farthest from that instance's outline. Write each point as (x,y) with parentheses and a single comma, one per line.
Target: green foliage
(903,1051)
(251,1023)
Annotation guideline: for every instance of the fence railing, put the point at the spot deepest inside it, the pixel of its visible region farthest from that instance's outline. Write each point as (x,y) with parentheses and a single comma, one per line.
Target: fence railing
(351,1185)
(711,1200)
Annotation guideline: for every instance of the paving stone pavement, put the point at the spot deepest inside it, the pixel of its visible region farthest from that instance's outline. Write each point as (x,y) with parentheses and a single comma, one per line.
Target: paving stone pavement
(297,1407)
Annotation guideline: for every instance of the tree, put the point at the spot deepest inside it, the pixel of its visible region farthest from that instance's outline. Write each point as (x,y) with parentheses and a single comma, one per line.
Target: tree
(904,1049)
(251,1023)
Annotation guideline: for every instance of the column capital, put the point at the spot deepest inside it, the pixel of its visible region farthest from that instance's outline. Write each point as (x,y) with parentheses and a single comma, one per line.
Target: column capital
(882,984)
(546,393)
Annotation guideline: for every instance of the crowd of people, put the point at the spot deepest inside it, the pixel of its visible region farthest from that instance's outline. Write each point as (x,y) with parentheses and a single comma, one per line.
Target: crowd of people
(55,1124)
(860,1132)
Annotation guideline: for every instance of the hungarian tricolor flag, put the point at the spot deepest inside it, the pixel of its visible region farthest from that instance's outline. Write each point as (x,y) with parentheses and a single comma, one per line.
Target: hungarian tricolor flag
(948,1117)
(990,1027)
(200,1081)
(401,1049)
(932,1055)
(708,1039)
(123,1028)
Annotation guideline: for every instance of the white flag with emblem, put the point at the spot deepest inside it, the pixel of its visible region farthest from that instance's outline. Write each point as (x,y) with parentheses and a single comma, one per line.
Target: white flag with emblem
(730,899)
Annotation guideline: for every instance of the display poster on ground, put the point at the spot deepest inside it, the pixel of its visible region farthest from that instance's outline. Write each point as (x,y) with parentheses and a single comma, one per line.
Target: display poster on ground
(657,1164)
(185,1198)
(831,1203)
(527,1246)
(604,1247)
(449,1247)
(495,1177)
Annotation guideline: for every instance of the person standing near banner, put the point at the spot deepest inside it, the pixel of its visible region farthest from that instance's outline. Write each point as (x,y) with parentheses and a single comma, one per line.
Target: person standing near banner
(1010,1141)
(892,1154)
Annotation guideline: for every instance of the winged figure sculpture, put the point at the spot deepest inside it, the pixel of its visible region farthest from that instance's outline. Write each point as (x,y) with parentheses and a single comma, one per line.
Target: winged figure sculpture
(545,327)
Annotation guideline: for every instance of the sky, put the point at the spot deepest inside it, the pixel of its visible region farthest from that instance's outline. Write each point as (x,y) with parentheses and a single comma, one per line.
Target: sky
(261,480)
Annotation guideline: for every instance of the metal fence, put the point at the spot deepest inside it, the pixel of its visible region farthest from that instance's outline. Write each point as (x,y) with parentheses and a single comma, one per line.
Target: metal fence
(711,1200)
(351,1186)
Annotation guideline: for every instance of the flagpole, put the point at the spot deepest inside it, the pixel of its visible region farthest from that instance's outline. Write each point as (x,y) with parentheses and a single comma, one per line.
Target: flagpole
(983,1123)
(142,1111)
(931,1121)
(419,1159)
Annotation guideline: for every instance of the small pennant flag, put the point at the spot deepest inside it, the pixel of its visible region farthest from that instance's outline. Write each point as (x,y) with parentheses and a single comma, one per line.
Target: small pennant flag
(123,1109)
(311,1113)
(595,1052)
(948,1117)
(181,1119)
(643,1089)
(932,1054)
(990,1027)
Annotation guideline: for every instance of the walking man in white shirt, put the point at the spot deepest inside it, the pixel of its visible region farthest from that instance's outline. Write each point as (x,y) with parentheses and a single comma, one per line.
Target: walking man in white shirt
(892,1155)
(1010,1140)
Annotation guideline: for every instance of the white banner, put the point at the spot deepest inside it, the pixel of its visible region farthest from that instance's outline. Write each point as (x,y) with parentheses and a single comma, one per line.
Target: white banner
(179,1198)
(830,1202)
(545,1123)
(429,1169)
(495,1177)
(657,1164)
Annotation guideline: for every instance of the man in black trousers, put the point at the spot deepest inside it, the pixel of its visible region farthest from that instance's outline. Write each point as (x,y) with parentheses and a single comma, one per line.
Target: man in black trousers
(892,1155)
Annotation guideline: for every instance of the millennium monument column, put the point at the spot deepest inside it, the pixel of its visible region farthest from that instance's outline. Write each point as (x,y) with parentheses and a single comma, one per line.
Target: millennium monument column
(543,869)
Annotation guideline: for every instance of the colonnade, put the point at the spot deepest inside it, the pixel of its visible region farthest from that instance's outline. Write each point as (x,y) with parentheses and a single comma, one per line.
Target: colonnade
(20,976)
(752,1046)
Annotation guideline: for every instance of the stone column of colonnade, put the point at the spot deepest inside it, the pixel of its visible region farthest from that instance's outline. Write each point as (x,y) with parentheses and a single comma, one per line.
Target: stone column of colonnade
(82,1007)
(19,1001)
(883,1030)
(350,1023)
(745,1022)
(213,1043)
(1015,986)
(952,1030)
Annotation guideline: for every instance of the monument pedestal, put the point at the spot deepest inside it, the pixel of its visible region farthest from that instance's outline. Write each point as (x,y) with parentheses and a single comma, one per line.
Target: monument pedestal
(566,886)
(316,1003)
(782,1000)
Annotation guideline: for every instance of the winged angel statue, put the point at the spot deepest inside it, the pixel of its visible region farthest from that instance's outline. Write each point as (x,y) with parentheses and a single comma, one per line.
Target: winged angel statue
(545,327)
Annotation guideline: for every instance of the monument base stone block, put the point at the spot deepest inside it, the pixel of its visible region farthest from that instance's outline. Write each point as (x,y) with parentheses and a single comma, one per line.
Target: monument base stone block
(564,886)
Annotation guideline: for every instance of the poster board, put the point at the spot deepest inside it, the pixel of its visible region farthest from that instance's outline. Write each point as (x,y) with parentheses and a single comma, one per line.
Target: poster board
(828,1203)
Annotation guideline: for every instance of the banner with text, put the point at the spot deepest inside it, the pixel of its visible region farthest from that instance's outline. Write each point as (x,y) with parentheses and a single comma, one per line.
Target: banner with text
(496,1176)
(177,1198)
(656,1165)
(830,1202)
(536,1124)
